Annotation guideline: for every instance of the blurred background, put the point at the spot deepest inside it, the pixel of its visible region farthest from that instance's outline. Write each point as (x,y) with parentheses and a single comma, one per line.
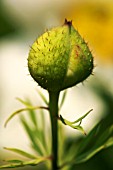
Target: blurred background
(21,22)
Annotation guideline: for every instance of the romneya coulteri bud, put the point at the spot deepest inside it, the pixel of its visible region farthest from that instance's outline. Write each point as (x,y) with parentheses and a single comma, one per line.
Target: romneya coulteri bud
(60,58)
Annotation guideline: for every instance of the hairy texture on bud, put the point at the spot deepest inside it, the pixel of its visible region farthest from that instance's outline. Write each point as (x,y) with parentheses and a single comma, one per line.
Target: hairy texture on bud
(60,58)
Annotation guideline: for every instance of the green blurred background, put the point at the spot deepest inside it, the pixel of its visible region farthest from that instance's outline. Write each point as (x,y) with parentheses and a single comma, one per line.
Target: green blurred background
(21,22)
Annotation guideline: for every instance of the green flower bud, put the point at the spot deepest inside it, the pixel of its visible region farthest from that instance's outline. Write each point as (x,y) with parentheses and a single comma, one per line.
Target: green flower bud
(60,58)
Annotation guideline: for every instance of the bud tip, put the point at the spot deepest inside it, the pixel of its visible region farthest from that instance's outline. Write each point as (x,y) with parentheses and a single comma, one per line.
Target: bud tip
(66,22)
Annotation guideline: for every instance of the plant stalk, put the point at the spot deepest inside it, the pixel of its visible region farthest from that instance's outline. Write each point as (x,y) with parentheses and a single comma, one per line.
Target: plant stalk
(53,107)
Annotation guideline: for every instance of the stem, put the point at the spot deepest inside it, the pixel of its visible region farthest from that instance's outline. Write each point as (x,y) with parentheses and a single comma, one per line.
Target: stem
(53,106)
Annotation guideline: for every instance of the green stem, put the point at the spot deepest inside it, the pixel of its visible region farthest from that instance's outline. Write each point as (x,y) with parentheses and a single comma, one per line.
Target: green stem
(53,106)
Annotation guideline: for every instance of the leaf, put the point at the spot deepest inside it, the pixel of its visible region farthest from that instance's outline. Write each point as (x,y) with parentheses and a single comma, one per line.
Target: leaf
(26,103)
(32,114)
(21,110)
(32,136)
(87,155)
(42,131)
(83,157)
(63,99)
(25,163)
(104,141)
(21,152)
(13,161)
(89,139)
(99,133)
(81,118)
(33,118)
(78,127)
(36,131)
(88,147)
(43,98)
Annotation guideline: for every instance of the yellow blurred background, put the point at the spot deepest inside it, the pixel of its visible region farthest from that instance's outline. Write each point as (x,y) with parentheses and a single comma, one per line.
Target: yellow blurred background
(94,21)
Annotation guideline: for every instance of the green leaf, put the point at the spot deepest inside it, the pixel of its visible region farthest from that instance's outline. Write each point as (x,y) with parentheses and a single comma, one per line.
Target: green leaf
(63,99)
(32,136)
(21,110)
(87,155)
(71,124)
(99,133)
(43,97)
(91,144)
(39,128)
(25,163)
(42,131)
(106,135)
(21,152)
(14,161)
(81,118)
(103,141)
(36,131)
(77,127)
(80,128)
(32,114)
(33,118)
(26,103)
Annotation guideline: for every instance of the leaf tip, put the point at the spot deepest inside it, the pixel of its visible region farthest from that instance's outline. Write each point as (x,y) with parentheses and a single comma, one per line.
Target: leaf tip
(5,124)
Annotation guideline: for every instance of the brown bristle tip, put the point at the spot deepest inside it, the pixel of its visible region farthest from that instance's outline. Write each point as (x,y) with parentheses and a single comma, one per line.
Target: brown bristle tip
(66,22)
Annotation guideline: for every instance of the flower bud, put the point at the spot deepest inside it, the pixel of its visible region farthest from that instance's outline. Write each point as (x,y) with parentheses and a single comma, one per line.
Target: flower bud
(60,58)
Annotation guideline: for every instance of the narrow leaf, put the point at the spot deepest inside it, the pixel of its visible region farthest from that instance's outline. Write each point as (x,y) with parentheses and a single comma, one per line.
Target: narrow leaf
(71,124)
(109,143)
(81,118)
(77,127)
(13,161)
(105,140)
(89,154)
(43,98)
(89,139)
(80,128)
(63,99)
(32,114)
(25,163)
(86,156)
(98,134)
(21,152)
(32,136)
(108,133)
(76,121)
(21,110)
(33,118)
(82,158)
(43,131)
(27,104)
